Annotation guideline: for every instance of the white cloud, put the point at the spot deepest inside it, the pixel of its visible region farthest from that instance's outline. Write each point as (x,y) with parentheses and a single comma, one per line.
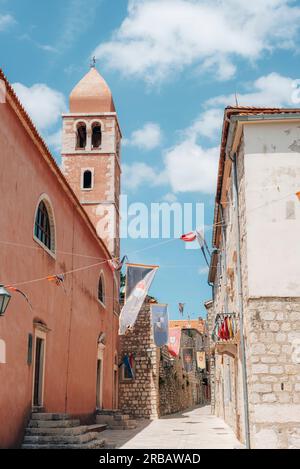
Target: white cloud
(6,21)
(270,90)
(44,105)
(208,124)
(160,37)
(146,138)
(192,168)
(189,166)
(139,174)
(54,140)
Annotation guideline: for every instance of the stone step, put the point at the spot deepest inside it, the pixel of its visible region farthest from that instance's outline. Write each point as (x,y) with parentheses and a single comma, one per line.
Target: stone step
(54,423)
(47,416)
(96,444)
(61,439)
(123,425)
(64,431)
(119,417)
(98,427)
(124,422)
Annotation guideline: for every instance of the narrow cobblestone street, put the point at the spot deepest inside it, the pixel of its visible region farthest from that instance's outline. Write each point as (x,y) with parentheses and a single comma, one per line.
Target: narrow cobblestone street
(193,429)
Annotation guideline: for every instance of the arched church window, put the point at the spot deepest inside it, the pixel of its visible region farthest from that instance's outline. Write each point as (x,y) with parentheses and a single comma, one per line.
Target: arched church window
(87,179)
(101,289)
(44,226)
(96,135)
(81,135)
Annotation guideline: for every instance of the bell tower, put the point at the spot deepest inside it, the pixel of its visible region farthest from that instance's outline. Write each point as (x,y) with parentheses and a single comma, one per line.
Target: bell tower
(91,155)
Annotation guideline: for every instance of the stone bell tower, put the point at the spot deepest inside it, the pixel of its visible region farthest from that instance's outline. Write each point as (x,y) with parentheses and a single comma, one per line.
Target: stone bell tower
(91,155)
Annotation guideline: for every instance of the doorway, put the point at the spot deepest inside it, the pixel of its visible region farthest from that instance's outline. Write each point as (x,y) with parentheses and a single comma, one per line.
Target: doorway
(99,377)
(99,385)
(39,370)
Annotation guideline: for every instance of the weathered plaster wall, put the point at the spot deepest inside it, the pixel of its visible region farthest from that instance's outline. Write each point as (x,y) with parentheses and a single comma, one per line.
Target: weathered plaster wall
(272,171)
(75,318)
(268,171)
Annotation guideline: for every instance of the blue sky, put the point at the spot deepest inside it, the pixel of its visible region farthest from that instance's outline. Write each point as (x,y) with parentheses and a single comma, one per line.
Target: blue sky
(172,65)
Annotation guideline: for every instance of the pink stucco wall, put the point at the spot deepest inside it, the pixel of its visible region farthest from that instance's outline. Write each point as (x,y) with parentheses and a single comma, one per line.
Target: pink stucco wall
(75,318)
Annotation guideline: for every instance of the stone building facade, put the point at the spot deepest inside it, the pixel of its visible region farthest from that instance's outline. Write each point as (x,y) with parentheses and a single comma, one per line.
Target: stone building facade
(160,385)
(139,397)
(254,271)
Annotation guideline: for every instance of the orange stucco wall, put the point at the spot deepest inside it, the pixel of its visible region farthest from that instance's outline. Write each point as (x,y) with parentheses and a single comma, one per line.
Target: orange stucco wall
(75,318)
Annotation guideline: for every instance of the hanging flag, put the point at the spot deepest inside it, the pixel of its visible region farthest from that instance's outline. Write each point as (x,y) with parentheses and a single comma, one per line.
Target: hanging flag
(189,237)
(128,365)
(188,359)
(203,245)
(201,360)
(138,281)
(197,235)
(174,341)
(116,265)
(160,323)
(181,308)
(58,279)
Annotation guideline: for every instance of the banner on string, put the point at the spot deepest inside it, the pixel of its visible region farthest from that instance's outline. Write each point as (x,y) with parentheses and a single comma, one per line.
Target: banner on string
(174,341)
(188,359)
(160,324)
(138,281)
(201,360)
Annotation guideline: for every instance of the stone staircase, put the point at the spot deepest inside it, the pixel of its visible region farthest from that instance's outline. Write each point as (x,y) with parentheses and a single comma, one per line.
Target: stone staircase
(115,420)
(59,431)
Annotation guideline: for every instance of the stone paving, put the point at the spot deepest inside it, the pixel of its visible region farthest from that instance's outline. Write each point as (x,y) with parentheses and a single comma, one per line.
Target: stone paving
(192,429)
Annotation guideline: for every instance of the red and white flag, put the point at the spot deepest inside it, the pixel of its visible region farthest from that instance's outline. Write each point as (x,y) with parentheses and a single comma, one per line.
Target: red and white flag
(197,235)
(174,341)
(189,237)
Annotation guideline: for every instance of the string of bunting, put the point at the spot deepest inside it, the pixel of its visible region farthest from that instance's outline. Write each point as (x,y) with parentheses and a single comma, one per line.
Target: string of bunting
(116,264)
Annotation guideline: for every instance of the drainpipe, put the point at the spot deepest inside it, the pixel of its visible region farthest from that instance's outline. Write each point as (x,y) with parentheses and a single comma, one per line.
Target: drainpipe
(240,301)
(224,255)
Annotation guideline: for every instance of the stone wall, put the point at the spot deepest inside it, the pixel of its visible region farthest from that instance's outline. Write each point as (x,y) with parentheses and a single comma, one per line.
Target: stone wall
(140,397)
(160,385)
(274,372)
(179,390)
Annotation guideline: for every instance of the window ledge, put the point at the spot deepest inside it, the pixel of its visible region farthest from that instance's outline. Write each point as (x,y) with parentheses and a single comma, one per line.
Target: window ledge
(42,245)
(102,304)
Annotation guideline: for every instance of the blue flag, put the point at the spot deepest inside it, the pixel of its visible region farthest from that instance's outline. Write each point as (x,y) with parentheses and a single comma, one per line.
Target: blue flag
(160,324)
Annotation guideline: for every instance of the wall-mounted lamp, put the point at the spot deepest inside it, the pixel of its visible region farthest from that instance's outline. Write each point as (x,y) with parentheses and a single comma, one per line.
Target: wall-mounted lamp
(4,299)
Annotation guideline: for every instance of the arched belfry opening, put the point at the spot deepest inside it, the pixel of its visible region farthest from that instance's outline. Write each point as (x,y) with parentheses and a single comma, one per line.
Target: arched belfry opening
(81,136)
(96,135)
